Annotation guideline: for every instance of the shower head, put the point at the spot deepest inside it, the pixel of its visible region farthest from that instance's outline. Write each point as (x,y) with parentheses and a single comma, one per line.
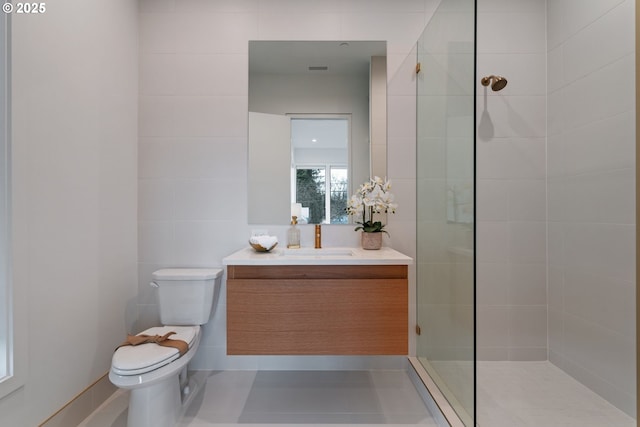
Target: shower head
(499,82)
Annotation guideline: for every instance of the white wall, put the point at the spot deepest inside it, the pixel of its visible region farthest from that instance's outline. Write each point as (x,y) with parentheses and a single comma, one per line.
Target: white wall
(74,185)
(378,116)
(591,200)
(511,181)
(193,134)
(556,248)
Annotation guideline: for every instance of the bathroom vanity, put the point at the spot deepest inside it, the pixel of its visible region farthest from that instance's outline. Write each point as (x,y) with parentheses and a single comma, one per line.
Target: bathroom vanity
(330,301)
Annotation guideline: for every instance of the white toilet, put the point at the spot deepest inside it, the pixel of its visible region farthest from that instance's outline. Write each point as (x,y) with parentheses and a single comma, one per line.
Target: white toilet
(157,375)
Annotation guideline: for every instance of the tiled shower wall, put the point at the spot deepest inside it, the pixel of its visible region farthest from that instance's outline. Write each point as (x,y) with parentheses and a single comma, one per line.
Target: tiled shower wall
(510,174)
(591,194)
(193,134)
(556,225)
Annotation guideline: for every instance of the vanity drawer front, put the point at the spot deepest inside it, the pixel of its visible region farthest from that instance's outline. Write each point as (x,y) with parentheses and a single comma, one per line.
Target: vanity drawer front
(317,272)
(317,316)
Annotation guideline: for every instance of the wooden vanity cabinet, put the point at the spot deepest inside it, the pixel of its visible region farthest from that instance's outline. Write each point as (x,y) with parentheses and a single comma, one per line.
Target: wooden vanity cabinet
(317,310)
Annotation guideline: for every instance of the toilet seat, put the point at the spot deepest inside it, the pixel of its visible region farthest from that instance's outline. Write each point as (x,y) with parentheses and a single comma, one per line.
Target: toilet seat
(137,360)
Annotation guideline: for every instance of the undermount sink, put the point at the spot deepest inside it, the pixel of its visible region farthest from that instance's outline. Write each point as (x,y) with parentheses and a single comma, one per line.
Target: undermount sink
(322,252)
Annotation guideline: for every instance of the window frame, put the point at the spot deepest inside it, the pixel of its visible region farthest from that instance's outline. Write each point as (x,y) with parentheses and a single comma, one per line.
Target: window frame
(347,117)
(13,306)
(327,167)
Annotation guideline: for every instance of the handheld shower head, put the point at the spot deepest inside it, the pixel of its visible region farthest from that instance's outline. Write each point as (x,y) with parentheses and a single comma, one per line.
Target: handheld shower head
(499,82)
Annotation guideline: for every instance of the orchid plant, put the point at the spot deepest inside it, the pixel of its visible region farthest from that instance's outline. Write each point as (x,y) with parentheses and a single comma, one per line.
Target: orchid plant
(372,197)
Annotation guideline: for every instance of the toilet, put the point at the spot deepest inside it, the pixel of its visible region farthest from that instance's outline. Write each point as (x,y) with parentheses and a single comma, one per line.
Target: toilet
(156,375)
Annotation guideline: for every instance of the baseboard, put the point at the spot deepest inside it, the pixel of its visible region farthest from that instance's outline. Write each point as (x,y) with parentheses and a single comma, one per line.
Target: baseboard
(81,406)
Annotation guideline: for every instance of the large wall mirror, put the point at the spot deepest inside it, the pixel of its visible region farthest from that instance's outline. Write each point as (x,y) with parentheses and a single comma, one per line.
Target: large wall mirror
(317,127)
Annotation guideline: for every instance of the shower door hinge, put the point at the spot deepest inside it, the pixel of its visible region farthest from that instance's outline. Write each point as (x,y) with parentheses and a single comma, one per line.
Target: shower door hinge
(418,66)
(418,330)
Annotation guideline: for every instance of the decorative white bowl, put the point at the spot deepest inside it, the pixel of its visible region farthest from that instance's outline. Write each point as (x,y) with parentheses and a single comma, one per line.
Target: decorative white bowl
(260,248)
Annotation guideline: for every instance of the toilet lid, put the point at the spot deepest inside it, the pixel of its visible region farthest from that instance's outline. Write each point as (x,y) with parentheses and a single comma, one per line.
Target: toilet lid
(136,360)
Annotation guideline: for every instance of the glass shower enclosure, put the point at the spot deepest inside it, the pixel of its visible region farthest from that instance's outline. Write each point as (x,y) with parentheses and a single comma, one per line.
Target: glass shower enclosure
(445,276)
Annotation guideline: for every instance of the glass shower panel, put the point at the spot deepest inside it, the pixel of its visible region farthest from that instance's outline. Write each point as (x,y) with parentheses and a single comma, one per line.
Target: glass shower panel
(445,200)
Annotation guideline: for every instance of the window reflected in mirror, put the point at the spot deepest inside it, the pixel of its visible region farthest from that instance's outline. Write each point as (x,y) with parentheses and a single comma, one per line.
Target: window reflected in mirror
(320,149)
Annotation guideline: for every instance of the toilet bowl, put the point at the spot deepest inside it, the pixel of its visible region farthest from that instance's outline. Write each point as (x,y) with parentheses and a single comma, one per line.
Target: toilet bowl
(157,375)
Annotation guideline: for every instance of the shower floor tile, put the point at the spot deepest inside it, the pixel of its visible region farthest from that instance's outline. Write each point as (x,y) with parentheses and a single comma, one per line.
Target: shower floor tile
(536,394)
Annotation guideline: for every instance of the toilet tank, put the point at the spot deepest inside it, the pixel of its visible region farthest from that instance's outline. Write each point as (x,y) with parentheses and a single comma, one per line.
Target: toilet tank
(185,295)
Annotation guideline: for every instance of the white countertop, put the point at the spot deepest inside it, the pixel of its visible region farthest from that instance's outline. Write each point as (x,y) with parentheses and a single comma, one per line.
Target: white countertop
(324,256)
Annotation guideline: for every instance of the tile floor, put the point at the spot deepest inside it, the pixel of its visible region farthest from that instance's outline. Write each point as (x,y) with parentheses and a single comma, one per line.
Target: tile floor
(331,398)
(510,394)
(539,394)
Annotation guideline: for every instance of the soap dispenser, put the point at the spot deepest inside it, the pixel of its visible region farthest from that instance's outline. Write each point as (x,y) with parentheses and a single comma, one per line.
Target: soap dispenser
(293,234)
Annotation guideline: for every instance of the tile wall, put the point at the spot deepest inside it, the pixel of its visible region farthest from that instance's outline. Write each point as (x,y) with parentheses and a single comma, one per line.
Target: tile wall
(193,135)
(591,194)
(511,182)
(556,225)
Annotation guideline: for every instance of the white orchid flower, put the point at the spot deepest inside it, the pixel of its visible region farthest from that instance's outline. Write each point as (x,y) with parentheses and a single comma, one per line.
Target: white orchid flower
(372,197)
